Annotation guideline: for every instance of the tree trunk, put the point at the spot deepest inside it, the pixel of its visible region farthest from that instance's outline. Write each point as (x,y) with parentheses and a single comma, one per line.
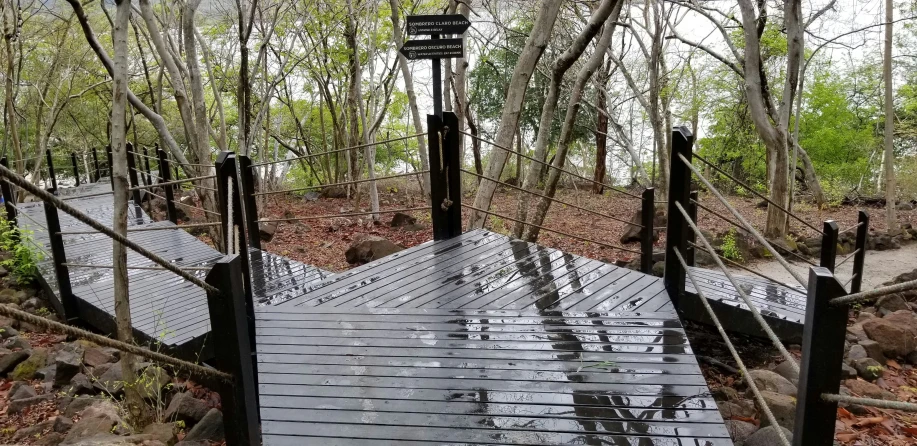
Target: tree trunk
(136,407)
(512,107)
(890,187)
(566,132)
(12,120)
(601,136)
(369,150)
(245,88)
(353,98)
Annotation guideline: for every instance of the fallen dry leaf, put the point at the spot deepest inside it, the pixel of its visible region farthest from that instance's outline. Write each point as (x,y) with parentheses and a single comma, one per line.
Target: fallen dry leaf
(870,421)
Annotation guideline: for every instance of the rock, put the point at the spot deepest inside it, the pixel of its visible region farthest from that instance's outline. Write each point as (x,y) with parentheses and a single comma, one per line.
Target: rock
(311,196)
(857,333)
(266,230)
(11,296)
(185,407)
(162,432)
(874,350)
(21,391)
(34,430)
(634,232)
(68,361)
(868,390)
(730,409)
(26,369)
(62,424)
(17,343)
(768,436)
(890,304)
(7,332)
(883,241)
(3,272)
(772,382)
(725,393)
(659,269)
(848,372)
(112,381)
(864,316)
(51,439)
(73,406)
(868,368)
(32,304)
(209,428)
(153,380)
(856,352)
(79,385)
(739,431)
(9,360)
(897,332)
(17,406)
(367,248)
(400,219)
(906,206)
(782,406)
(96,356)
(333,192)
(96,419)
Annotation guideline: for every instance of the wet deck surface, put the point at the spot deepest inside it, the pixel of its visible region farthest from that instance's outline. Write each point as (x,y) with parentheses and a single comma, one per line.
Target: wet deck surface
(360,376)
(784,307)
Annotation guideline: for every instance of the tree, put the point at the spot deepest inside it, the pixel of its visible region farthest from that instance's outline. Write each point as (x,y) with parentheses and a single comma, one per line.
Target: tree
(890,187)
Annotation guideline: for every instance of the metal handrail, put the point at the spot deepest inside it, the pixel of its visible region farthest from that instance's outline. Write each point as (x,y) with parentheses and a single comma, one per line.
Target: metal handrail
(312,155)
(852,254)
(298,189)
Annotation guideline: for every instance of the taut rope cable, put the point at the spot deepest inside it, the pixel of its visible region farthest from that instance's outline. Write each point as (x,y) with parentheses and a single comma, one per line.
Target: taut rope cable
(751,230)
(149,268)
(169,183)
(185,205)
(163,228)
(735,354)
(320,186)
(873,294)
(352,214)
(751,306)
(313,155)
(89,221)
(77,197)
(847,258)
(882,404)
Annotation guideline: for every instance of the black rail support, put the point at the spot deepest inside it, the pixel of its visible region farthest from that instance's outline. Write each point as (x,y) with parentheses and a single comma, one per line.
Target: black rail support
(132,176)
(822,354)
(859,259)
(677,229)
(168,191)
(111,174)
(9,201)
(59,257)
(95,164)
(51,174)
(230,322)
(250,206)
(146,164)
(445,178)
(647,215)
(829,245)
(76,168)
(691,253)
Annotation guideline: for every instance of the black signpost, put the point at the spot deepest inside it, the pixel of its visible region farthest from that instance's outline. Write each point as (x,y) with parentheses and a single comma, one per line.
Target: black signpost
(435,48)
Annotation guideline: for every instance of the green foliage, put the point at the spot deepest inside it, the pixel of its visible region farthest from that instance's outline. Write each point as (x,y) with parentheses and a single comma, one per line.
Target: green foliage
(730,247)
(23,261)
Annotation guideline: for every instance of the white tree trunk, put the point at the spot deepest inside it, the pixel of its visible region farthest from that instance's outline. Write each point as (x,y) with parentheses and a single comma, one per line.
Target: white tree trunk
(891,211)
(369,152)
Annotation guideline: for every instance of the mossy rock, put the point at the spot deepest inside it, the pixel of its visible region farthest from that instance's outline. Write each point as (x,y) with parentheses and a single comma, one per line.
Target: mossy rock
(26,369)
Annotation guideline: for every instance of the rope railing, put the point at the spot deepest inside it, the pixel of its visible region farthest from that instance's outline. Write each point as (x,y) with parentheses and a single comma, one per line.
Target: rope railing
(854,276)
(77,197)
(163,228)
(145,156)
(345,183)
(22,183)
(169,183)
(352,214)
(543,163)
(145,268)
(756,314)
(872,402)
(565,203)
(852,255)
(851,228)
(738,265)
(751,230)
(313,155)
(20,213)
(566,234)
(756,193)
(864,296)
(186,205)
(732,350)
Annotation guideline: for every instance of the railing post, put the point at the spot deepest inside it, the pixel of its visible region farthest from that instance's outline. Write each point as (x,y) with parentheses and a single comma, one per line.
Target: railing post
(859,259)
(9,202)
(51,174)
(691,253)
(445,178)
(146,163)
(59,257)
(822,355)
(95,163)
(647,214)
(230,323)
(111,175)
(132,176)
(167,191)
(226,171)
(250,206)
(829,245)
(76,169)
(677,230)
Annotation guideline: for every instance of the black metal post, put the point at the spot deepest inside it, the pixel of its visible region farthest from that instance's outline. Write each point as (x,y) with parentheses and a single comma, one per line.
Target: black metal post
(691,253)
(859,259)
(230,322)
(146,163)
(168,192)
(445,184)
(111,175)
(132,176)
(226,167)
(829,245)
(95,164)
(822,354)
(51,174)
(76,169)
(9,201)
(437,84)
(59,255)
(677,230)
(647,214)
(250,206)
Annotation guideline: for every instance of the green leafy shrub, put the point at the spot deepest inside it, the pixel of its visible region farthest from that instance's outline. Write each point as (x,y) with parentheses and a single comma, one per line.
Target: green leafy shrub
(23,262)
(730,247)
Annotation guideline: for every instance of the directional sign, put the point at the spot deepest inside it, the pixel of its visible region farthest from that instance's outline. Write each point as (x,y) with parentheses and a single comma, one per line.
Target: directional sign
(433,49)
(425,25)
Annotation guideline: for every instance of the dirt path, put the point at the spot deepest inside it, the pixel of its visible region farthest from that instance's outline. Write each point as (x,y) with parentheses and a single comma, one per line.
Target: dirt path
(881,266)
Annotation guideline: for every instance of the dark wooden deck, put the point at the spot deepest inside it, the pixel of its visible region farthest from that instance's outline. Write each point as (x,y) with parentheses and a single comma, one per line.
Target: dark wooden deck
(361,376)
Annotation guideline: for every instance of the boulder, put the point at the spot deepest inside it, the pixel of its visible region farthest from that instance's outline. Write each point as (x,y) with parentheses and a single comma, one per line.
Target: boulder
(70,407)
(68,362)
(185,407)
(162,432)
(782,406)
(311,196)
(79,385)
(7,332)
(152,381)
(51,439)
(856,333)
(17,406)
(868,368)
(209,428)
(897,332)
(9,360)
(633,233)
(733,409)
(17,343)
(333,192)
(266,230)
(367,248)
(96,356)
(659,269)
(725,393)
(62,424)
(400,220)
(11,296)
(768,436)
(856,352)
(874,350)
(772,382)
(868,390)
(34,430)
(890,304)
(112,381)
(26,369)
(848,372)
(96,419)
(739,431)
(21,390)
